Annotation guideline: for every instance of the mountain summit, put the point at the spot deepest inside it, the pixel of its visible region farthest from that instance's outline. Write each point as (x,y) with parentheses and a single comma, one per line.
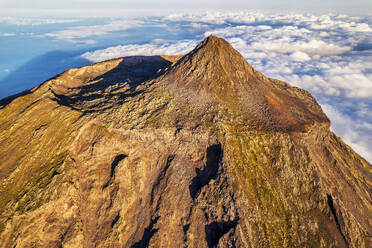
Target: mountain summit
(215,71)
(169,151)
(213,65)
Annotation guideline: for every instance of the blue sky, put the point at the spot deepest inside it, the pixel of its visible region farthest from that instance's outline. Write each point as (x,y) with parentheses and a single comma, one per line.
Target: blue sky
(359,7)
(314,45)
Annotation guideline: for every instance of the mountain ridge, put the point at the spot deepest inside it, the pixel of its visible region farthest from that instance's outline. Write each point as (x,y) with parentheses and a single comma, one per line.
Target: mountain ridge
(166,151)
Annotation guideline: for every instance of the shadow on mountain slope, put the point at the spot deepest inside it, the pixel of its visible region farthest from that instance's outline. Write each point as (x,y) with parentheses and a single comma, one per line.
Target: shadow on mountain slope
(113,87)
(40,69)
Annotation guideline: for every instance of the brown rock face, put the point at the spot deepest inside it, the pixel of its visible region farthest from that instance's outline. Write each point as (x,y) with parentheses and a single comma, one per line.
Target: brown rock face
(169,151)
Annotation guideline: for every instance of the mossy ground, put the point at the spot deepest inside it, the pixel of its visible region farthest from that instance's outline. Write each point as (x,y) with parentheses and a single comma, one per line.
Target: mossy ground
(264,166)
(36,143)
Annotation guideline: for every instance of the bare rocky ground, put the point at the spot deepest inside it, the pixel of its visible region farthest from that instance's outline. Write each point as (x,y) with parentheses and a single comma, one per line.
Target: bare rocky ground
(171,151)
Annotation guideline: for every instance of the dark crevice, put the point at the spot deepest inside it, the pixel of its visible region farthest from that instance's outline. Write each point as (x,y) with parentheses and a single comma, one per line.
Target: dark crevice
(185,229)
(147,234)
(215,230)
(177,131)
(41,127)
(29,106)
(209,172)
(114,164)
(334,213)
(55,173)
(117,217)
(113,194)
(167,165)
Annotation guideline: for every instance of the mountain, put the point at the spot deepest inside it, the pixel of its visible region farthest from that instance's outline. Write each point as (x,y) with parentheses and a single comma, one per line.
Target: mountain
(168,151)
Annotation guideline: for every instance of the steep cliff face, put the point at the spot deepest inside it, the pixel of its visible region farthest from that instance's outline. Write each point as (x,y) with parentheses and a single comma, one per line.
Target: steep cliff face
(192,151)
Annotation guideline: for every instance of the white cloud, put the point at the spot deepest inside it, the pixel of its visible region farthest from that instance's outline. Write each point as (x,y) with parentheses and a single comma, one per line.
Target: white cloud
(217,17)
(300,56)
(350,26)
(198,27)
(90,42)
(347,86)
(74,33)
(231,31)
(157,47)
(356,133)
(289,45)
(21,21)
(209,17)
(7,34)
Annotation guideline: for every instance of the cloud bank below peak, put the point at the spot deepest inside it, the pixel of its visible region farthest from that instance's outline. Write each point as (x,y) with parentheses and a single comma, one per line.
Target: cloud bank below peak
(156,47)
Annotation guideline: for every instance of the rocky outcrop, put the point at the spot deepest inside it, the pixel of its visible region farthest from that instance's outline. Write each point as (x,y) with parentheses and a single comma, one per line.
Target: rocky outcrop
(192,151)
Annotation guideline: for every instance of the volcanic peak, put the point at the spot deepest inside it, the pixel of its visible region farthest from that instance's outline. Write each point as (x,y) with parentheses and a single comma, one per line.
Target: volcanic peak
(215,72)
(213,65)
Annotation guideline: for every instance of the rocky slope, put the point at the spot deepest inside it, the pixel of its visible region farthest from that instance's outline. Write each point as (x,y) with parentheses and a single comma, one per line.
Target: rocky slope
(167,151)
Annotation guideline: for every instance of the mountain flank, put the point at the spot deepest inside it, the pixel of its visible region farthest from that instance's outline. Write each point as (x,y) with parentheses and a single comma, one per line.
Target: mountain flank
(199,150)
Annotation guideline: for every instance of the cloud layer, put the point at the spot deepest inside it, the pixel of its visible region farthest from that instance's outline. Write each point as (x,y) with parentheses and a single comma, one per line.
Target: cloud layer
(75,33)
(23,21)
(156,47)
